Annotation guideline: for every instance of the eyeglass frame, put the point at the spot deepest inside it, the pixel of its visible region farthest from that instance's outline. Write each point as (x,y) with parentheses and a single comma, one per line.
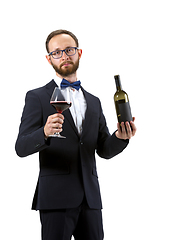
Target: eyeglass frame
(50,54)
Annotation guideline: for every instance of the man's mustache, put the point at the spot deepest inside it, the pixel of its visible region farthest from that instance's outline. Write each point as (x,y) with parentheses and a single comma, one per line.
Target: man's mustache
(66,62)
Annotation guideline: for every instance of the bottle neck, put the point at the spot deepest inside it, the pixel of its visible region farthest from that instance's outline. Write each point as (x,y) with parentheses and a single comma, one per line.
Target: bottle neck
(118,82)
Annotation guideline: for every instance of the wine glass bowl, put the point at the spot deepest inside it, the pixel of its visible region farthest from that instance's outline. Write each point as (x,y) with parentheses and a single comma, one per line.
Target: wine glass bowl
(60,100)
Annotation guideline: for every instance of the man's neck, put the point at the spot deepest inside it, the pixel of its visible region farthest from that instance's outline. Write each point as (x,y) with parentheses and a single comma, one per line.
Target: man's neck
(71,78)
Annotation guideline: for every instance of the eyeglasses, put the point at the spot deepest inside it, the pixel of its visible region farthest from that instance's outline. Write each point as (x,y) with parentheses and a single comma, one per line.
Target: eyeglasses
(70,51)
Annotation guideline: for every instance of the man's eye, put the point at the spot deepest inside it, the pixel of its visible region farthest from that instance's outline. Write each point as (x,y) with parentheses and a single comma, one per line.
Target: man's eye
(69,50)
(56,53)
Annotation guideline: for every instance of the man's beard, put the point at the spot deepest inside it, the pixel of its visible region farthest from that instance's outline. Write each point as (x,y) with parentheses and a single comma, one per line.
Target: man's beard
(72,68)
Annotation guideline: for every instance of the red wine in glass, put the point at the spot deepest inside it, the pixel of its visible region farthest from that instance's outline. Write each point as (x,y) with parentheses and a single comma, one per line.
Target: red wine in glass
(61,105)
(60,100)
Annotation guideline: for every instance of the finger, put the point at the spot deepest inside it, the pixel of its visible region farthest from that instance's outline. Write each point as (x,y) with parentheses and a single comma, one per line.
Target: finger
(134,129)
(55,127)
(57,120)
(57,115)
(58,130)
(123,128)
(129,131)
(118,127)
(60,116)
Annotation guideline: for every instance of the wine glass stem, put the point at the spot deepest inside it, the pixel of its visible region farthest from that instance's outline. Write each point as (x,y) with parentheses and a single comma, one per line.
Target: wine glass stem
(57,133)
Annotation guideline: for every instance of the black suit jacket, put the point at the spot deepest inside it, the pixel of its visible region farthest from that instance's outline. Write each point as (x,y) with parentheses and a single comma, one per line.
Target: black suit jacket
(67,166)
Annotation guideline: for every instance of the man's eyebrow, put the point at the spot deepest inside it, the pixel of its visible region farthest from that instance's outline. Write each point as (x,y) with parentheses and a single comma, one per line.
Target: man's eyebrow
(56,49)
(61,49)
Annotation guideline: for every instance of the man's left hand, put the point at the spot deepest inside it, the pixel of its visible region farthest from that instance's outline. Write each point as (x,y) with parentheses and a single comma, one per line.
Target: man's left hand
(121,133)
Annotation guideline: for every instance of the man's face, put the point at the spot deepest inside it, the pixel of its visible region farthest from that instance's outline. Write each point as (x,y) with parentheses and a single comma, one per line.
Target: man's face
(66,65)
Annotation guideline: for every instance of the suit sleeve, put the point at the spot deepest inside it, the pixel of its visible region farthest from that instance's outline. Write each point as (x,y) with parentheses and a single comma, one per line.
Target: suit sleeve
(108,145)
(31,132)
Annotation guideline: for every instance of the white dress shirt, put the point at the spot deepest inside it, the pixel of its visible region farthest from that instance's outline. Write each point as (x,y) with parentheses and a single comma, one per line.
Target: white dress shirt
(79,105)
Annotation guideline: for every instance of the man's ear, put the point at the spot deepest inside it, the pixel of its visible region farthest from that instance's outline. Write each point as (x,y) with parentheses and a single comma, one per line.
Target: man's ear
(80,53)
(49,60)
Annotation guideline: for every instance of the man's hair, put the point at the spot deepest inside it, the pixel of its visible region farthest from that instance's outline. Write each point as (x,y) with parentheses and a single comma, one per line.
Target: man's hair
(58,32)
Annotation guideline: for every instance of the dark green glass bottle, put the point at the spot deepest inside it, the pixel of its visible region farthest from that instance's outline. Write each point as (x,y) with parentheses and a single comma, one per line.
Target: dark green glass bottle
(122,104)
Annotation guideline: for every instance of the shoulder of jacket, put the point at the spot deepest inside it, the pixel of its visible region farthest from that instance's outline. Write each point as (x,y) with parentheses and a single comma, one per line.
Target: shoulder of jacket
(40,89)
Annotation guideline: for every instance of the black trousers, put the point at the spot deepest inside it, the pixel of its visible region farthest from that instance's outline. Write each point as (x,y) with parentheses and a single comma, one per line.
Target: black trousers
(83,223)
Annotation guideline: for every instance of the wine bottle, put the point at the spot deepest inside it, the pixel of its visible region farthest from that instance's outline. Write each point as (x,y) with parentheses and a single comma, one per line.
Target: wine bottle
(122,104)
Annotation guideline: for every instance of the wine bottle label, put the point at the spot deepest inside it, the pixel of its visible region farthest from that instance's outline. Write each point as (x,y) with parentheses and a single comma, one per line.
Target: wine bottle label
(123,112)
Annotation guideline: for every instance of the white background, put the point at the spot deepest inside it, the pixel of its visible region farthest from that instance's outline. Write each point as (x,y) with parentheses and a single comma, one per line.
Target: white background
(129,38)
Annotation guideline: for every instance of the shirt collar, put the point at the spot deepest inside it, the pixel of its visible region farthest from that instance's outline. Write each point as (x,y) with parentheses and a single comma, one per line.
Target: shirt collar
(57,80)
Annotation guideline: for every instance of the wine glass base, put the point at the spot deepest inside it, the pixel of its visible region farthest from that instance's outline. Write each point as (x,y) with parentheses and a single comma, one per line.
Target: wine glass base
(57,135)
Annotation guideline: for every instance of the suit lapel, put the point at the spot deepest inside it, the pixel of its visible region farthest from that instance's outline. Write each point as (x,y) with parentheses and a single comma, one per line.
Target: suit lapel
(88,110)
(67,114)
(50,87)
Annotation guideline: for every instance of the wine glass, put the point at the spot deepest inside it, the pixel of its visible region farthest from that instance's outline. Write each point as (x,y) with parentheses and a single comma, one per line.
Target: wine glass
(60,100)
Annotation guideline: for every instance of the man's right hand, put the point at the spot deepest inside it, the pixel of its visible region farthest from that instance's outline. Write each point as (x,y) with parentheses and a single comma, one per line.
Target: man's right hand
(53,124)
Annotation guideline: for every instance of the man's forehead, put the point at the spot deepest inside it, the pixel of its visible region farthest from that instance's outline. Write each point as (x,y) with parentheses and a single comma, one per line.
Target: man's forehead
(61,41)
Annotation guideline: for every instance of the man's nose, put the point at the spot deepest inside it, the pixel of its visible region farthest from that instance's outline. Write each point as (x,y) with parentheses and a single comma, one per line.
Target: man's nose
(65,56)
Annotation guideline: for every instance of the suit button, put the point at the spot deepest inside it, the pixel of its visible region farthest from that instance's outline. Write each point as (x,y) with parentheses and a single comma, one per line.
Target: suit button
(81,143)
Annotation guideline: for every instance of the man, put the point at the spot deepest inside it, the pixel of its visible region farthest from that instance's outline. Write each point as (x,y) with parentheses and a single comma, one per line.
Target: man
(67,193)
